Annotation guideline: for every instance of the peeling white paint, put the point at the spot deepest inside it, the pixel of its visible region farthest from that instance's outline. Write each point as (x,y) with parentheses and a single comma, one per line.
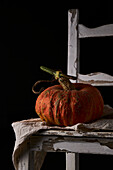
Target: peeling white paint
(104,30)
(72,65)
(97,78)
(83,147)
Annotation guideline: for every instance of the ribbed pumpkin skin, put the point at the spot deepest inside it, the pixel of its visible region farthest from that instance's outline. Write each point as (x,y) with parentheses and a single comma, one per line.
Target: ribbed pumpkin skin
(64,108)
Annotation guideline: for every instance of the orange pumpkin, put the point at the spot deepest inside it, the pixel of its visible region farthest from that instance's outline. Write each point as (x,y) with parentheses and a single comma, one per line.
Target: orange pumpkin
(81,104)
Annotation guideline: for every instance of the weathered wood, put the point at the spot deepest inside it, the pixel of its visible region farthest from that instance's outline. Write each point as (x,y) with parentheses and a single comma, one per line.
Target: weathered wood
(72,67)
(96,79)
(24,159)
(105,30)
(72,144)
(39,159)
(73,43)
(31,160)
(72,134)
(26,130)
(76,161)
(72,161)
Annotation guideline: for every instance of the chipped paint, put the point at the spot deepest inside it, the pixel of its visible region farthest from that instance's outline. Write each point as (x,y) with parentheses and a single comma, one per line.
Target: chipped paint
(83,147)
(97,79)
(73,144)
(104,30)
(73,13)
(73,42)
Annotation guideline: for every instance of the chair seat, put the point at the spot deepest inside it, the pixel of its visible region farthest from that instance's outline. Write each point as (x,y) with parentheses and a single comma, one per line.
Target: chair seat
(34,139)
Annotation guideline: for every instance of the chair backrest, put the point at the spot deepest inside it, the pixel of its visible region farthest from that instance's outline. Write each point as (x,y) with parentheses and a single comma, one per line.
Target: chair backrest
(75,32)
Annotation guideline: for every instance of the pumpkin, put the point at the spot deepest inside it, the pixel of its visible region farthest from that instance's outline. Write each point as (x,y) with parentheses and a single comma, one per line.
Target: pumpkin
(63,106)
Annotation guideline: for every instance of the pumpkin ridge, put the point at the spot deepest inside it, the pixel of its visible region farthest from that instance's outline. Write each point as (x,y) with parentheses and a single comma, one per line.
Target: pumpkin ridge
(75,106)
(42,110)
(99,102)
(59,104)
(93,108)
(41,98)
(57,114)
(65,108)
(52,105)
(89,102)
(38,108)
(48,111)
(72,105)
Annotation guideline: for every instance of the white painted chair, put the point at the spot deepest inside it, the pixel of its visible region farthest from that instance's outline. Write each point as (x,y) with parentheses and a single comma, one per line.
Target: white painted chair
(75,32)
(68,141)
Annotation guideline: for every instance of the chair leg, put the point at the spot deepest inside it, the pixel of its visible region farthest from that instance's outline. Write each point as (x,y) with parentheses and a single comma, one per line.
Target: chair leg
(72,161)
(31,160)
(24,161)
(39,159)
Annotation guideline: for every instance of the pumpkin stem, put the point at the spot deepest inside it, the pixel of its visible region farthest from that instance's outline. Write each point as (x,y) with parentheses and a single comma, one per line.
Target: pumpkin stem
(62,78)
(57,74)
(48,70)
(66,84)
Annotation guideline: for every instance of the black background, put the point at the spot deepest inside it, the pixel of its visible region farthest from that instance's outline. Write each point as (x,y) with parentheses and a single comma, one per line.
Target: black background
(35,34)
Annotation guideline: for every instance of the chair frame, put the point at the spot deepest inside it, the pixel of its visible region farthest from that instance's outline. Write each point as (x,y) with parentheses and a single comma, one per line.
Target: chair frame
(68,141)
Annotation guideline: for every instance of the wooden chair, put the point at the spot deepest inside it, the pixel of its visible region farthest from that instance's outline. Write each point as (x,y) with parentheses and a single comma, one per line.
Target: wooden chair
(68,141)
